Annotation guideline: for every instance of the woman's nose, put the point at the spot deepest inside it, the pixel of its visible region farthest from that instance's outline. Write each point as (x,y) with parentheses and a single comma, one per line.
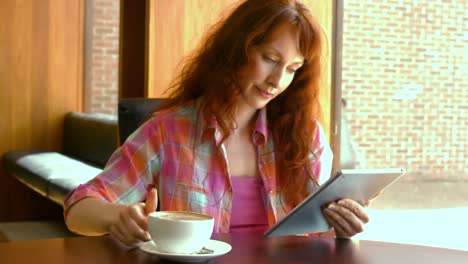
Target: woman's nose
(274,79)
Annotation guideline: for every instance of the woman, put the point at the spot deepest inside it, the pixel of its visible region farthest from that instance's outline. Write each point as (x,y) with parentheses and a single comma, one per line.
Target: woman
(237,140)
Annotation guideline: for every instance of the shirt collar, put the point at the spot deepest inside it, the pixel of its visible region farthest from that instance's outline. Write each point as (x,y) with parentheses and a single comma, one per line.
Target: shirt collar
(259,135)
(260,132)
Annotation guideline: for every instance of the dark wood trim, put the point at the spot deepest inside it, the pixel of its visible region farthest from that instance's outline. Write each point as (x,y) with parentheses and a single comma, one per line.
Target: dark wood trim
(132,55)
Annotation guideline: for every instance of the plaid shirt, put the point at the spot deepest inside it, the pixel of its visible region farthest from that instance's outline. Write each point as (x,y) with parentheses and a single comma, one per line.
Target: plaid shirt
(181,155)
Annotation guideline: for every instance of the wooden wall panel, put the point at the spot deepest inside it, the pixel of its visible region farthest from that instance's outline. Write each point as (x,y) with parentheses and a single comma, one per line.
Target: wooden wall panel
(40,81)
(166,18)
(175,28)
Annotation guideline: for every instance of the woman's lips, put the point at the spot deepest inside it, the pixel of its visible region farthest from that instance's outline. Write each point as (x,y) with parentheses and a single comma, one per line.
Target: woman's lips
(264,93)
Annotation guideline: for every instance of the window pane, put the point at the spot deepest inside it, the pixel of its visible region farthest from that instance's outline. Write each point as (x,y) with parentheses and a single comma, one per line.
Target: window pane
(405,82)
(102,56)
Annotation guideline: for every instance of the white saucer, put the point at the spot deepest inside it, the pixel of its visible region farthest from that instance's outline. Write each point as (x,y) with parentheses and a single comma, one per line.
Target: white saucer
(219,247)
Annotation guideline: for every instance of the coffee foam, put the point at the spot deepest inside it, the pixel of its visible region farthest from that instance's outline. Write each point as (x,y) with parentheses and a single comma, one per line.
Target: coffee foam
(183,216)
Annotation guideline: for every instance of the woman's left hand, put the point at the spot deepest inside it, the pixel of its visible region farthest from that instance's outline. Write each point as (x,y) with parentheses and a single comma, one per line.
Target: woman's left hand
(347,217)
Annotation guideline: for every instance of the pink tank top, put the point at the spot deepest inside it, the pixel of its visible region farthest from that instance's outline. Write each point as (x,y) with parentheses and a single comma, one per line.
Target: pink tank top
(248,209)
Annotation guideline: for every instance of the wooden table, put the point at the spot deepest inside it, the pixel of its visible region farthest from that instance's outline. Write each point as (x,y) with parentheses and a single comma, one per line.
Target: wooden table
(245,249)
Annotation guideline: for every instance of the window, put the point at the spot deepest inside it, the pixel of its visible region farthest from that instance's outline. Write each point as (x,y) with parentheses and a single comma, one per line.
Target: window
(101,56)
(404,76)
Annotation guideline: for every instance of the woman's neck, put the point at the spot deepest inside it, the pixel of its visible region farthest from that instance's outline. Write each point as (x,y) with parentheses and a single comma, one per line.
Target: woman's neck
(245,117)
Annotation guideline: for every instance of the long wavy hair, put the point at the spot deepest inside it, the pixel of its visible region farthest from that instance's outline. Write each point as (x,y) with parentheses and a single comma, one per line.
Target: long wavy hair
(210,73)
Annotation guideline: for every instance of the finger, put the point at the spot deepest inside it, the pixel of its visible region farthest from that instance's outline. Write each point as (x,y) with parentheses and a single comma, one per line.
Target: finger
(127,237)
(339,232)
(119,232)
(139,216)
(151,201)
(114,231)
(147,236)
(339,220)
(356,209)
(353,224)
(131,223)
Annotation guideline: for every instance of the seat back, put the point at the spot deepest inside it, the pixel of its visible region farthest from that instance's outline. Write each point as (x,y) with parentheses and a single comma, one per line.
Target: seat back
(133,112)
(90,137)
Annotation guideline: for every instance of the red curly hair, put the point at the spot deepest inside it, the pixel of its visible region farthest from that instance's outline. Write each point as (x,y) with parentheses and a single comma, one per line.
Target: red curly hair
(210,74)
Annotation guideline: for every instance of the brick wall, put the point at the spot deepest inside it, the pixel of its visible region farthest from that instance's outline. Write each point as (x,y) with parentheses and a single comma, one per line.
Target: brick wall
(102,83)
(405,78)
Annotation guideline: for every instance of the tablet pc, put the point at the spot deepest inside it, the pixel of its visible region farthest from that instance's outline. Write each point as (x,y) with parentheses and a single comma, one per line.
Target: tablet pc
(359,185)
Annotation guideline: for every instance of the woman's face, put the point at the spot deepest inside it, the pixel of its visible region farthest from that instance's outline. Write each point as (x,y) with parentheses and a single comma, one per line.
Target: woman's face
(271,66)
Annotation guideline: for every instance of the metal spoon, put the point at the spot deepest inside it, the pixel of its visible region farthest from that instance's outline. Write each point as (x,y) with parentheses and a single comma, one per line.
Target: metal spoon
(205,250)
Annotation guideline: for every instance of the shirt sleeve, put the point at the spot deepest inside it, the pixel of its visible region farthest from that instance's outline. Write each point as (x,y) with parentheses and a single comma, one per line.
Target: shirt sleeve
(128,174)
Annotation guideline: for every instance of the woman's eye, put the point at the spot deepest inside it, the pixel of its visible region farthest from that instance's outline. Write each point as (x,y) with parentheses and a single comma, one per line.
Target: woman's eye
(268,58)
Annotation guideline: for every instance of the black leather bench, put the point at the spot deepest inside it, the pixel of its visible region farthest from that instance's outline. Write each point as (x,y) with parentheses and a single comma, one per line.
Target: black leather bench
(88,142)
(133,112)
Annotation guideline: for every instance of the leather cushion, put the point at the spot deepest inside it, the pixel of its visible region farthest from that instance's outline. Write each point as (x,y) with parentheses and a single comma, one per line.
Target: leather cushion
(90,137)
(51,174)
(133,112)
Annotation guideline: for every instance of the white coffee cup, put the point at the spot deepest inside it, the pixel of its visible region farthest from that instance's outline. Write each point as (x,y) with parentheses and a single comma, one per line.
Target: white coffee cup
(179,231)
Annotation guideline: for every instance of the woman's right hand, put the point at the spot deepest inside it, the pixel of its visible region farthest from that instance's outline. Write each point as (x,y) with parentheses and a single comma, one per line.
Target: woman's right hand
(130,225)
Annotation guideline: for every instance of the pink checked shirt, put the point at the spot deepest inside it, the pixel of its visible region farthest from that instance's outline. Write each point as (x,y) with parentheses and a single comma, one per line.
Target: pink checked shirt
(181,155)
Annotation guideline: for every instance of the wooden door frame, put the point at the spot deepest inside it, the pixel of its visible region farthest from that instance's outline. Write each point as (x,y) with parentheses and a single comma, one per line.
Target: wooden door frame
(336,78)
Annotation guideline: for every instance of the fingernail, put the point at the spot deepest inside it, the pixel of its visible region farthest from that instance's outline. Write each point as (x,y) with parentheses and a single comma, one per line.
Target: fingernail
(331,206)
(341,202)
